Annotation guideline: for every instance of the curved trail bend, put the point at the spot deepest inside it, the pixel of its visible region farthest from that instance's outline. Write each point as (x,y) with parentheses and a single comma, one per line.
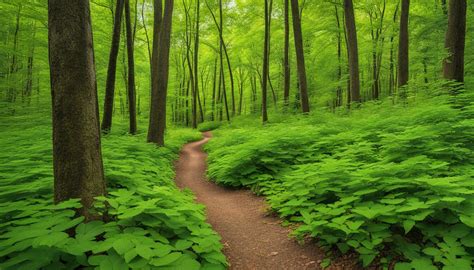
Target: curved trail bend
(251,238)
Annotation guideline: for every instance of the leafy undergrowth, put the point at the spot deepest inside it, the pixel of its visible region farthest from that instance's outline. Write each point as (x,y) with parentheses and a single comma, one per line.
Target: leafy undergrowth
(153,225)
(393,183)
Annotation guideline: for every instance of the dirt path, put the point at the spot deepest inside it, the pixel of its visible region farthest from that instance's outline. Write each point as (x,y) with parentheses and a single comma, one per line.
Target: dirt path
(251,238)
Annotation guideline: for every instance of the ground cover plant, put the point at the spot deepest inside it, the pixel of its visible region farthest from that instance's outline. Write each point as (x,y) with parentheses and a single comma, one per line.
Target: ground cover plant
(150,222)
(391,185)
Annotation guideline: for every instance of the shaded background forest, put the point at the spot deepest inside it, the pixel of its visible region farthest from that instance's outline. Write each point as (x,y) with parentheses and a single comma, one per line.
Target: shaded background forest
(25,80)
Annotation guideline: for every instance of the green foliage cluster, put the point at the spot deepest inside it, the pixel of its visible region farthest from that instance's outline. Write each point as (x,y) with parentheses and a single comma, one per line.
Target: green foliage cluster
(208,126)
(150,223)
(391,184)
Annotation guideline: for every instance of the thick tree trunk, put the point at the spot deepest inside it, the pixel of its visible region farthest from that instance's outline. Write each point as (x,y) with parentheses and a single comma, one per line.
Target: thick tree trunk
(303,83)
(353,51)
(77,158)
(286,56)
(453,67)
(111,71)
(403,67)
(132,106)
(157,125)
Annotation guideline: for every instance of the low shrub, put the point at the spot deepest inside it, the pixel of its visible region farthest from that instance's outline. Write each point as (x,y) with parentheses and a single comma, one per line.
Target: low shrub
(392,183)
(151,223)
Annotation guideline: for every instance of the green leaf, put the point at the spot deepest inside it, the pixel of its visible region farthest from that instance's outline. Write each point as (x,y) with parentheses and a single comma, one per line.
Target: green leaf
(183,244)
(123,245)
(468,220)
(166,260)
(144,251)
(408,225)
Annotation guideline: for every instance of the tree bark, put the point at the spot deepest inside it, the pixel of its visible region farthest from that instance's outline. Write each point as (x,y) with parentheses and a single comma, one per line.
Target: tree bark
(338,101)
(286,56)
(453,66)
(157,125)
(353,51)
(77,158)
(132,105)
(112,68)
(266,48)
(303,83)
(196,66)
(403,68)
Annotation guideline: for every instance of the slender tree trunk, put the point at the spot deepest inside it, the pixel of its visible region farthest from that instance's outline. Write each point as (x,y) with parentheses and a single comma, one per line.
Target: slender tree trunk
(196,65)
(339,59)
(222,47)
(77,158)
(286,57)
(192,78)
(403,45)
(453,66)
(29,74)
(147,37)
(132,105)
(353,51)
(12,90)
(392,80)
(219,26)
(157,126)
(112,68)
(303,84)
(213,105)
(266,48)
(187,100)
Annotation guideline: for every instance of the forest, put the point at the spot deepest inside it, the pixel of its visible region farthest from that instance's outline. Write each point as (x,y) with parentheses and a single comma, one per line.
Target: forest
(237,134)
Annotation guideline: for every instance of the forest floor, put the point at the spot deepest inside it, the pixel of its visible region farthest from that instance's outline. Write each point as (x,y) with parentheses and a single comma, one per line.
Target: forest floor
(252,237)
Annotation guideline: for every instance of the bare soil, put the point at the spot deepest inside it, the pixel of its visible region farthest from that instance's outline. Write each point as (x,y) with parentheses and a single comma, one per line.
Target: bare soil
(252,238)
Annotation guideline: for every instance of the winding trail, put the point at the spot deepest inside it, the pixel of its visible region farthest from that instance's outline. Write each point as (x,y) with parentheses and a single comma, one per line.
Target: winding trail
(252,239)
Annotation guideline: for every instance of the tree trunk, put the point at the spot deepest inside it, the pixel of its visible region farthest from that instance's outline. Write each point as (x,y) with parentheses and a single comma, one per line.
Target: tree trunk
(403,45)
(353,51)
(157,125)
(266,48)
(12,91)
(453,66)
(77,158)
(222,47)
(196,65)
(286,57)
(111,71)
(132,106)
(392,80)
(303,84)
(339,60)
(213,105)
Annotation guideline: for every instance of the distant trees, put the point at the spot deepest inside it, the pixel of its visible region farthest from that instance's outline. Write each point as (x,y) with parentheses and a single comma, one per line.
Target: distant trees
(112,69)
(160,71)
(303,83)
(453,65)
(352,50)
(403,45)
(77,159)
